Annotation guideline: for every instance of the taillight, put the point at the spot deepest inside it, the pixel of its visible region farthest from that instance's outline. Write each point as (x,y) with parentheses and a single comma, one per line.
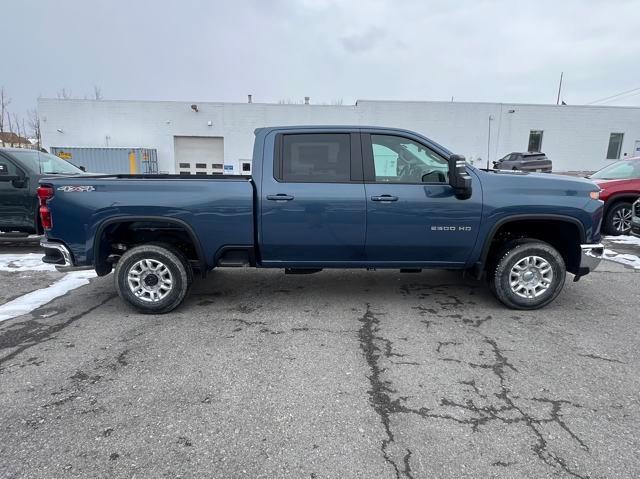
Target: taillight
(45,193)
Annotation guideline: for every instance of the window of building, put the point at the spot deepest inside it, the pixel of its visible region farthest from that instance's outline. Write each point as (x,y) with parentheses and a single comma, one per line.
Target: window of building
(535,140)
(185,173)
(401,160)
(185,165)
(201,165)
(246,166)
(201,172)
(615,146)
(319,157)
(216,166)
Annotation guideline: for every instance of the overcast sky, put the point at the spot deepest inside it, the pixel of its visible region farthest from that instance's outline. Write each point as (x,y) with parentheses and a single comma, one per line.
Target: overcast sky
(199,50)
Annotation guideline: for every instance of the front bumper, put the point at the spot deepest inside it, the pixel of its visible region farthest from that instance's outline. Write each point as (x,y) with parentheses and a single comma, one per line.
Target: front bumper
(590,257)
(59,254)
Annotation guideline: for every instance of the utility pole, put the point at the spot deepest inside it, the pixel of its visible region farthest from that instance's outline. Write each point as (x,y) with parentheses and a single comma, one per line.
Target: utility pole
(559,89)
(489,140)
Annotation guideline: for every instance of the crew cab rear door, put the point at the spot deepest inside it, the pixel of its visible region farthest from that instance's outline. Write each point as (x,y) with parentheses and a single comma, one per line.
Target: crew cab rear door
(313,209)
(413,215)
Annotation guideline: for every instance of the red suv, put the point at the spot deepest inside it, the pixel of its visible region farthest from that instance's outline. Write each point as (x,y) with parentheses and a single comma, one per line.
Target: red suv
(620,184)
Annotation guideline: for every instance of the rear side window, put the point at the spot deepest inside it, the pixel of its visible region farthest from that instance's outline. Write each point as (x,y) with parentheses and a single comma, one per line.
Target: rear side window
(316,158)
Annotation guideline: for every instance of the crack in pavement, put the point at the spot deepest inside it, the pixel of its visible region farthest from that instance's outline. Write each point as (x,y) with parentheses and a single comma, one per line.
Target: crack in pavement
(374,346)
(378,394)
(33,332)
(595,356)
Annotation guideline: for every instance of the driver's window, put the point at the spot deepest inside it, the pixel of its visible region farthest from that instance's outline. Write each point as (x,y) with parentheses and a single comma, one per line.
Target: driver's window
(401,160)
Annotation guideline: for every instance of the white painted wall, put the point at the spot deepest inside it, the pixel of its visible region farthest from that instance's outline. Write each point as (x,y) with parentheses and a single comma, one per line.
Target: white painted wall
(575,137)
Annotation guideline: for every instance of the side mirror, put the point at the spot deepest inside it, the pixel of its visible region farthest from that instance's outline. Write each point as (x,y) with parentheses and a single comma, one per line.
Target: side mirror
(459,179)
(82,168)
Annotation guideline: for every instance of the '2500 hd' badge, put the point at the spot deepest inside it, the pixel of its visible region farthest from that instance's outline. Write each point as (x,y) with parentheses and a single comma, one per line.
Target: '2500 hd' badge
(451,228)
(76,189)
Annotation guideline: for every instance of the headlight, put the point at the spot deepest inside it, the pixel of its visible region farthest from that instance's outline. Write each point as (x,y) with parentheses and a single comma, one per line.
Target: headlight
(595,195)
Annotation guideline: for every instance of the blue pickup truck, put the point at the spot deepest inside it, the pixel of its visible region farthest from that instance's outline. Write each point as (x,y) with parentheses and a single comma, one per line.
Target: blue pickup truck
(327,197)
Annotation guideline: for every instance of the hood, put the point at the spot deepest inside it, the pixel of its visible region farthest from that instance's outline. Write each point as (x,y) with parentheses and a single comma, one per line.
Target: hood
(540,181)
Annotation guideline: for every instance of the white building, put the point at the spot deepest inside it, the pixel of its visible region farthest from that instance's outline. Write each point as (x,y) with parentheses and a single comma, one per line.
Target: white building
(202,137)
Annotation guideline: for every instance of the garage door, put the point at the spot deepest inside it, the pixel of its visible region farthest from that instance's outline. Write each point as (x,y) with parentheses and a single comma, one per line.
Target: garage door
(196,155)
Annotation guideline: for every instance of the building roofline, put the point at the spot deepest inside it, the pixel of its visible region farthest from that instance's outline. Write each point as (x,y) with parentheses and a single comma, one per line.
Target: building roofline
(547,105)
(187,102)
(316,105)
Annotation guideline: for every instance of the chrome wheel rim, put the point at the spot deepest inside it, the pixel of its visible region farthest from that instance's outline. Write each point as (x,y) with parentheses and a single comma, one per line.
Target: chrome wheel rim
(150,280)
(622,220)
(531,277)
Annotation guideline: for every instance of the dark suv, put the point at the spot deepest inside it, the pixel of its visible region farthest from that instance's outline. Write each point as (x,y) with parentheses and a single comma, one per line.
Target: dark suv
(20,170)
(529,161)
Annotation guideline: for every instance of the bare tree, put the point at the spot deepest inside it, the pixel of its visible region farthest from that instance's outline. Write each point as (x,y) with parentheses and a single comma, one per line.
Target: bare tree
(64,94)
(289,101)
(4,102)
(34,125)
(9,124)
(97,92)
(19,132)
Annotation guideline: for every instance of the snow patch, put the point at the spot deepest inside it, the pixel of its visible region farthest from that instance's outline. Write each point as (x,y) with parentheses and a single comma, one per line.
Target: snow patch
(30,301)
(626,259)
(633,240)
(24,262)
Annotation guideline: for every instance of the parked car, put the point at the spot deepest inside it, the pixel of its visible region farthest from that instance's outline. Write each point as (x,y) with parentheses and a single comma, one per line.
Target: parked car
(620,187)
(20,170)
(635,219)
(327,197)
(527,161)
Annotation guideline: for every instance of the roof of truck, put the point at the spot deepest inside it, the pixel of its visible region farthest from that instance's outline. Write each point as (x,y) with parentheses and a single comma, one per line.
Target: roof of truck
(332,127)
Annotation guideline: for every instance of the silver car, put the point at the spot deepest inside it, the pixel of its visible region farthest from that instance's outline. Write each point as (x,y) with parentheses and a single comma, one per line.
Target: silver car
(529,161)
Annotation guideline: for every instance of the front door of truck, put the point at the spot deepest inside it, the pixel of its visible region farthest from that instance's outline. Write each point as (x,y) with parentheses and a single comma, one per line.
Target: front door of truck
(313,209)
(413,215)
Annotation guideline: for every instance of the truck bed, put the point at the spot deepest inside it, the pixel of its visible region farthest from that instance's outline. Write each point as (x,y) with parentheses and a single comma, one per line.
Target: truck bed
(217,210)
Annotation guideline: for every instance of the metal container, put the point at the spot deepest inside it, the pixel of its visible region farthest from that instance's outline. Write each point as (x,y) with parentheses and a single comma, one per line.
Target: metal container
(110,160)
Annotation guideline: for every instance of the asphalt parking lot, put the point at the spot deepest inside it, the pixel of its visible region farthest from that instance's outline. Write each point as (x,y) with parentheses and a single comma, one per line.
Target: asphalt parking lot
(335,375)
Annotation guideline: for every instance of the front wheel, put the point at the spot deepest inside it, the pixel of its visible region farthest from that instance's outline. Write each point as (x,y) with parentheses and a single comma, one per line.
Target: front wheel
(618,220)
(528,274)
(153,278)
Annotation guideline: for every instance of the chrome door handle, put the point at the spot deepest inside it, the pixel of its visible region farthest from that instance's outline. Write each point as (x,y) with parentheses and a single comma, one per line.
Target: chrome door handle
(280,197)
(384,198)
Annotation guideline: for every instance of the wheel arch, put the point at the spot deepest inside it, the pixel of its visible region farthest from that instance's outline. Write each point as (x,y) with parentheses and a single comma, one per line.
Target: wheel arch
(103,268)
(521,219)
(619,197)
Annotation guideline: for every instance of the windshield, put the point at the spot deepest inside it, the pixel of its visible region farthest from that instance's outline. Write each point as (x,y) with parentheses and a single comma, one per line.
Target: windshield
(46,163)
(620,170)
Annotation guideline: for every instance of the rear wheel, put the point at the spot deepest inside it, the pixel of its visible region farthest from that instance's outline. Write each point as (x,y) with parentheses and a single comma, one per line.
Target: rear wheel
(153,278)
(618,221)
(527,274)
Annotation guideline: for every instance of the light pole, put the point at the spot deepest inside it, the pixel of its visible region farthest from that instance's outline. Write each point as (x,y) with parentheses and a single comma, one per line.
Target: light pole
(489,140)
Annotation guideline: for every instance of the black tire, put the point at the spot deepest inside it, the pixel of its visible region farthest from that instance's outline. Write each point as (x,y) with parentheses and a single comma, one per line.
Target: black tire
(614,216)
(156,295)
(499,273)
